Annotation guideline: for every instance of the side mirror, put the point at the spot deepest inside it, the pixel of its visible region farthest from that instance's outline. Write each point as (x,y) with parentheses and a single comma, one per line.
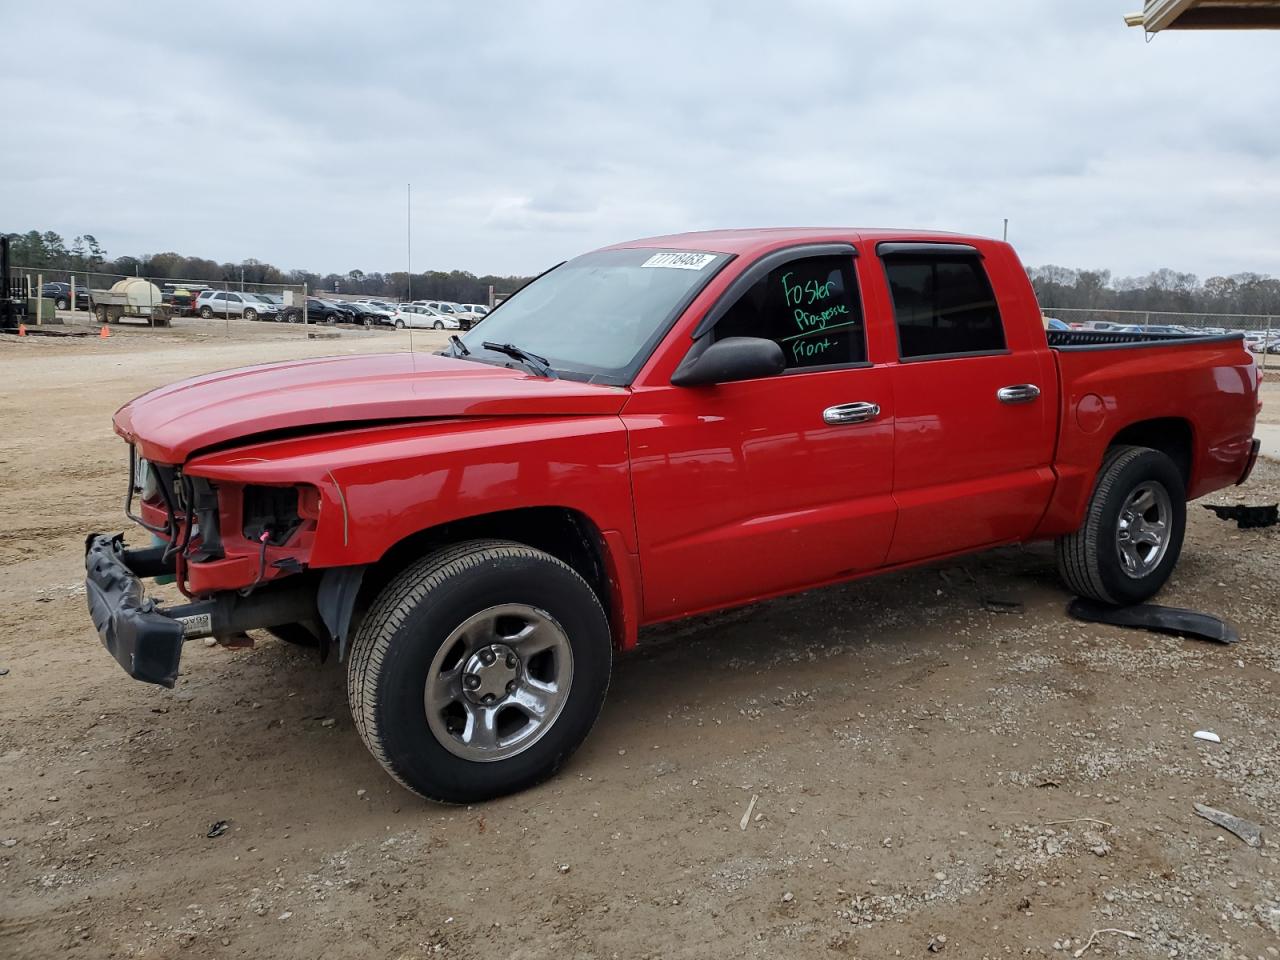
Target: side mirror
(730,360)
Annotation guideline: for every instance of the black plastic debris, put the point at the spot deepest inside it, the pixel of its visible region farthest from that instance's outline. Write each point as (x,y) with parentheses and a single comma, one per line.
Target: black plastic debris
(218,828)
(1152,616)
(1247,518)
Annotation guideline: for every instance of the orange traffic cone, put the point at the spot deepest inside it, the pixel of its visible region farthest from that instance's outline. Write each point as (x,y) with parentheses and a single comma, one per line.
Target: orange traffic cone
(22,329)
(104,332)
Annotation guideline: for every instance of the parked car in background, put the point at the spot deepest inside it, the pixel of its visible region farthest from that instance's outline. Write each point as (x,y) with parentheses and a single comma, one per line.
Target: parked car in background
(60,293)
(284,312)
(233,303)
(421,316)
(383,305)
(1260,343)
(329,311)
(479,309)
(368,314)
(271,307)
(465,319)
(1053,323)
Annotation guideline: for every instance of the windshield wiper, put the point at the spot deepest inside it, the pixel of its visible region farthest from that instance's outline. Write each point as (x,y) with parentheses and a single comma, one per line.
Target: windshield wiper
(456,342)
(539,365)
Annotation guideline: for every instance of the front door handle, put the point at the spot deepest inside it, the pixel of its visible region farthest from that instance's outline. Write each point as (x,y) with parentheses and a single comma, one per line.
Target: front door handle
(859,412)
(1018,393)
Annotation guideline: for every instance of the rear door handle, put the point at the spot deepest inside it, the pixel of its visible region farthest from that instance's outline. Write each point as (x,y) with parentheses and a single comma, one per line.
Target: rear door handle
(859,412)
(1018,393)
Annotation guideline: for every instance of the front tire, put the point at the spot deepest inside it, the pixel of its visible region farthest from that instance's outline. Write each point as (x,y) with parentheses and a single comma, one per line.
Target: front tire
(1131,538)
(437,325)
(399,324)
(251,314)
(61,303)
(479,670)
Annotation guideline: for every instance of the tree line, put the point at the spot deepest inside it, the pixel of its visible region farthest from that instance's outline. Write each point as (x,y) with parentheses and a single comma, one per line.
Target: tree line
(59,259)
(1056,287)
(1164,291)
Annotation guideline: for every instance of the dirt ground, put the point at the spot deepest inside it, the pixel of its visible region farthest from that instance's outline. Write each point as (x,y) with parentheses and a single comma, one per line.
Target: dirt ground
(931,771)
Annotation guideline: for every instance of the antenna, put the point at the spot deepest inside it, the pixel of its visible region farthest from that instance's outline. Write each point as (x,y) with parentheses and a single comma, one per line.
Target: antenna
(408,252)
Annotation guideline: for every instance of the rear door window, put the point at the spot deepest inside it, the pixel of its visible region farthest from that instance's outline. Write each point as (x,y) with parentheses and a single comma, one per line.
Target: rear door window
(943,305)
(810,307)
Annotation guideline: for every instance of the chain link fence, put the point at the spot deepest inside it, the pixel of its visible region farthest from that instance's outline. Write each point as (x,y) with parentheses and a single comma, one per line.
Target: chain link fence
(1261,331)
(103,298)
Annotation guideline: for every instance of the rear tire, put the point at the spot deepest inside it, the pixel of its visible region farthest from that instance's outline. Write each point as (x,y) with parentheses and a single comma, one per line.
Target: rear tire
(206,313)
(399,324)
(61,303)
(446,717)
(1132,534)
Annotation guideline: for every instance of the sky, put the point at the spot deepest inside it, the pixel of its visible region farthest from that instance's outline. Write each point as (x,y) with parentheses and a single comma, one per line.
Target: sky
(532,131)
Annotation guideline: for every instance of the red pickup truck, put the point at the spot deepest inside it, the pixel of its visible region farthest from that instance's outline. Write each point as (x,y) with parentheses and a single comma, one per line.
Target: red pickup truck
(652,430)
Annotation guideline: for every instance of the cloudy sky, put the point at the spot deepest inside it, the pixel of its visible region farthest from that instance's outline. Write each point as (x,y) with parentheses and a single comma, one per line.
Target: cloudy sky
(532,131)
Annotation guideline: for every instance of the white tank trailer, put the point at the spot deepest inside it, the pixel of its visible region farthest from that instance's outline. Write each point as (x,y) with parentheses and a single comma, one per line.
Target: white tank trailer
(131,297)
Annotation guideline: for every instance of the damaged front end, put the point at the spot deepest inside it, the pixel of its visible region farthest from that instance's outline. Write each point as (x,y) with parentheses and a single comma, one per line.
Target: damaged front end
(238,553)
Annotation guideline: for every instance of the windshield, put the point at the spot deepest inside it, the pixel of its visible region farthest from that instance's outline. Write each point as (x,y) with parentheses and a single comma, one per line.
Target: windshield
(599,315)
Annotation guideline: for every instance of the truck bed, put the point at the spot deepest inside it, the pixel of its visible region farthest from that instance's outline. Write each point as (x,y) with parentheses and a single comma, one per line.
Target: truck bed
(1204,388)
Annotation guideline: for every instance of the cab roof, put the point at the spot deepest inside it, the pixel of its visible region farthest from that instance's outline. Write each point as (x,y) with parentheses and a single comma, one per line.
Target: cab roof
(759,239)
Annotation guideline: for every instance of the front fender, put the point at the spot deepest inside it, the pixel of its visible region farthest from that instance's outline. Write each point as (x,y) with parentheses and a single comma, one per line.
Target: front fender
(381,484)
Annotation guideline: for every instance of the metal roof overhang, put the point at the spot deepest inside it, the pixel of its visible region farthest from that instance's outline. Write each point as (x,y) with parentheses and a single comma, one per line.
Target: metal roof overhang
(1160,15)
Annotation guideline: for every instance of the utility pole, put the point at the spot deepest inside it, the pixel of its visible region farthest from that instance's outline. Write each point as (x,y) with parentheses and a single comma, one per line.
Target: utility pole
(408,238)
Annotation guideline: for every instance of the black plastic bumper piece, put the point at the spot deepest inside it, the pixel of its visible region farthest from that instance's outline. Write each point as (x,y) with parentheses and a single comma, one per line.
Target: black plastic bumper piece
(144,641)
(147,640)
(1153,616)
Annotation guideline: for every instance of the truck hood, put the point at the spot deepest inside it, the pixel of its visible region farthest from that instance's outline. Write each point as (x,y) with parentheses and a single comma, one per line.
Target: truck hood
(171,423)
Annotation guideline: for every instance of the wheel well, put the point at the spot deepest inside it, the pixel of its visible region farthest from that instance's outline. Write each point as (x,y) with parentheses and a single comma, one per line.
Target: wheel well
(1170,435)
(568,535)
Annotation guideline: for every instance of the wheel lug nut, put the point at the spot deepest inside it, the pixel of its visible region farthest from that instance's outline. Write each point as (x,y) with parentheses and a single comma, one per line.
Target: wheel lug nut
(488,698)
(511,686)
(472,681)
(511,662)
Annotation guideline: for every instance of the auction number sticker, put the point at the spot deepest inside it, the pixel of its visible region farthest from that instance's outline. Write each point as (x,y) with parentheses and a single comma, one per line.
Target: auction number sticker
(680,261)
